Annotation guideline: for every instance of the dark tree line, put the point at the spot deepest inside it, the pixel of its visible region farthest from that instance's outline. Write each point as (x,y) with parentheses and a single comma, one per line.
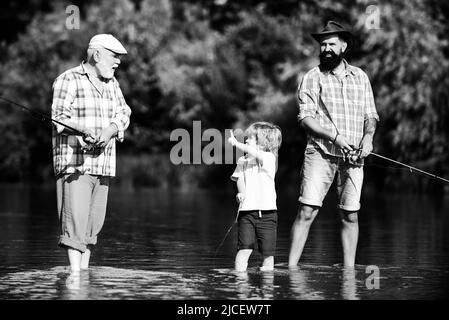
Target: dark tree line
(228,63)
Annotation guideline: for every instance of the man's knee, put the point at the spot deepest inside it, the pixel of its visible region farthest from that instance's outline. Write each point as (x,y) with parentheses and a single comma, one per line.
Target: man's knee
(349,216)
(307,213)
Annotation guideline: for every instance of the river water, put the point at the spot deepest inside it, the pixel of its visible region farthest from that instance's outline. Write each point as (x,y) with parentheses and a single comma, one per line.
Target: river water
(160,244)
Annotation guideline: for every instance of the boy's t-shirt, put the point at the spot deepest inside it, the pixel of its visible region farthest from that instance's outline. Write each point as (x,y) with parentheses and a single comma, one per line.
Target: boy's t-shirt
(260,192)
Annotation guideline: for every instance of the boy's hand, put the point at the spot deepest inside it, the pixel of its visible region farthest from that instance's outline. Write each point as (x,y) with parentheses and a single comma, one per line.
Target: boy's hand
(240,197)
(232,140)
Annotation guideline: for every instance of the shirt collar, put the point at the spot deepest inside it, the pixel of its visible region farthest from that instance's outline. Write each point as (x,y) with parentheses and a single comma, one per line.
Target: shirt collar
(80,69)
(348,69)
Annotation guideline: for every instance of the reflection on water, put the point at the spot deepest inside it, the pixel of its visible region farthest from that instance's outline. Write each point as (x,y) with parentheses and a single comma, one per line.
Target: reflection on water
(309,282)
(348,284)
(161,245)
(98,283)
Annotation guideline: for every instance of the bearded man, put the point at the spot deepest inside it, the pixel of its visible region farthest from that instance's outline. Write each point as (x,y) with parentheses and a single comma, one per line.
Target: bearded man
(337,110)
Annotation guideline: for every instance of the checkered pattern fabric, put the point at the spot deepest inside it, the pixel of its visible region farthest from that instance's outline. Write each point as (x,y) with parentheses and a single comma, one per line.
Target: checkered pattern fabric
(339,104)
(77,100)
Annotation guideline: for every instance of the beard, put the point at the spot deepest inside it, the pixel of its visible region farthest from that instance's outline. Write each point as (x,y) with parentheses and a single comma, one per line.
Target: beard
(106,72)
(330,63)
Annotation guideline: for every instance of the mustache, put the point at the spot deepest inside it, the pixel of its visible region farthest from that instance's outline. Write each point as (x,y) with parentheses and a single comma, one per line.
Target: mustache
(333,55)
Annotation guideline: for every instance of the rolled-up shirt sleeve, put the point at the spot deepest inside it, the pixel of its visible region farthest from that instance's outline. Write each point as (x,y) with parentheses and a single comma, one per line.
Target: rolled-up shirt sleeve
(122,114)
(307,97)
(63,96)
(370,106)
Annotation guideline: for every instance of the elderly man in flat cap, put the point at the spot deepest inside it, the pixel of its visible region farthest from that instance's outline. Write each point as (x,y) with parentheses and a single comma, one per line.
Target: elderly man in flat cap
(337,110)
(87,98)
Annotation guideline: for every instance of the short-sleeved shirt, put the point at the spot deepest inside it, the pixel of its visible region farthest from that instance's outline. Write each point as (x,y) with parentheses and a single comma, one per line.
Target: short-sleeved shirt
(77,100)
(260,191)
(338,102)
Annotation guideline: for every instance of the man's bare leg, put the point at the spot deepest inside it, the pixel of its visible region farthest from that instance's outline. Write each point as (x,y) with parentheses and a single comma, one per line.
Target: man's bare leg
(85,257)
(74,259)
(349,236)
(300,231)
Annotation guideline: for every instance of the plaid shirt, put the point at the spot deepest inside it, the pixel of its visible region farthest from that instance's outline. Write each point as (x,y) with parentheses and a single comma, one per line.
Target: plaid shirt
(77,100)
(339,104)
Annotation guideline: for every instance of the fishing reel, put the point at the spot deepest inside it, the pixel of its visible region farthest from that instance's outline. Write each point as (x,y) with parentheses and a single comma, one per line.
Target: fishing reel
(353,156)
(88,147)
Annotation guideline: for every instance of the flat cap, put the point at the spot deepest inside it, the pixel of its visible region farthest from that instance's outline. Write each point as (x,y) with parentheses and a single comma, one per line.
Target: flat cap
(107,41)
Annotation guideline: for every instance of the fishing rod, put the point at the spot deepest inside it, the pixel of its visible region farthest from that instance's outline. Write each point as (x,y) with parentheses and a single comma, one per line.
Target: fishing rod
(42,117)
(434,176)
(229,230)
(356,152)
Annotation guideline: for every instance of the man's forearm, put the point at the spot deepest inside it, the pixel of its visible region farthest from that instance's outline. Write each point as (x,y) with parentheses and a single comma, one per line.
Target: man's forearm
(369,128)
(313,127)
(113,129)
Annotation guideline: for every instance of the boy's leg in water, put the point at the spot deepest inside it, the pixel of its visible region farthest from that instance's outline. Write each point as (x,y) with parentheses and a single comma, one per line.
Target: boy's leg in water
(241,259)
(267,264)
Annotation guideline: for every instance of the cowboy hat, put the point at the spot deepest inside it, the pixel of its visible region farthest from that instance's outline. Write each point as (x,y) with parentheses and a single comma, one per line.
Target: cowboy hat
(335,28)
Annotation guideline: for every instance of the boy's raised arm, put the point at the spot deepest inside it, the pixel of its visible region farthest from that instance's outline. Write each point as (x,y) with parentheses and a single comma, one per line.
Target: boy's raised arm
(246,148)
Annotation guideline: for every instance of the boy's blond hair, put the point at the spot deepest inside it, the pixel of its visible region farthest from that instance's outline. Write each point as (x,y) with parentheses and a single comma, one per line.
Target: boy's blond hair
(268,136)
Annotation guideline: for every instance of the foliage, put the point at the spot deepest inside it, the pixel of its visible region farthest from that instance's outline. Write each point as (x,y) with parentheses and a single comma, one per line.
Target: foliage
(410,82)
(228,63)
